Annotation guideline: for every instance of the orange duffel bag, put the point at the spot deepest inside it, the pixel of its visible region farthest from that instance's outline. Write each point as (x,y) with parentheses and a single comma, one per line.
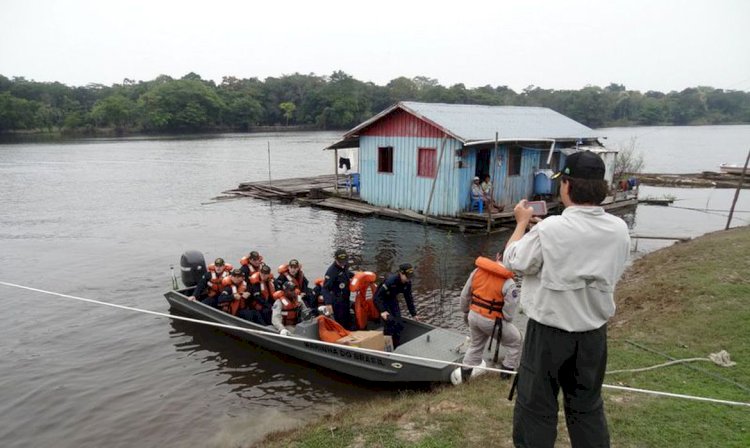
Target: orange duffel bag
(329,330)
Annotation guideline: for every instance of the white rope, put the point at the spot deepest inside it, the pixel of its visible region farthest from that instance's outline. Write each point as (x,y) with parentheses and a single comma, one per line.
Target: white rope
(665,364)
(378,352)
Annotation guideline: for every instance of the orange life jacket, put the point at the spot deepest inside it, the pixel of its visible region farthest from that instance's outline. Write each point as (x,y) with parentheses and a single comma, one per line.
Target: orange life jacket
(284,271)
(245,261)
(290,309)
(214,283)
(235,305)
(487,288)
(266,288)
(316,291)
(364,307)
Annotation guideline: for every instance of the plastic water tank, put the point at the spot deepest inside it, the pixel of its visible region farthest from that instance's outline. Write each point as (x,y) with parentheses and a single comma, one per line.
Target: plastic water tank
(543,182)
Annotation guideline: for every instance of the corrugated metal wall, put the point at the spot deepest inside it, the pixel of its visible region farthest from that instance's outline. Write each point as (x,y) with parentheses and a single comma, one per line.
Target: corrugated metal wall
(403,188)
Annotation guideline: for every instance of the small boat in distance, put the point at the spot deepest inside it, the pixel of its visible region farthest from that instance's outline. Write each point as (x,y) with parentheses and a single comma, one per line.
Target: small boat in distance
(731,169)
(429,343)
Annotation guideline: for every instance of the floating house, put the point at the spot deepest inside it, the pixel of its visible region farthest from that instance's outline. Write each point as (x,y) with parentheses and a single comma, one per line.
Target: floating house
(424,156)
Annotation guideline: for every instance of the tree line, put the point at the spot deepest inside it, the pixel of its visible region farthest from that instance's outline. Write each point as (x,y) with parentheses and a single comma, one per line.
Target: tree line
(338,101)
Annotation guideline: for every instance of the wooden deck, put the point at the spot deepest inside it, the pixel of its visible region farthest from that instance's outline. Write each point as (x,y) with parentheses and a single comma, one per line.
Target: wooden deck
(320,192)
(286,188)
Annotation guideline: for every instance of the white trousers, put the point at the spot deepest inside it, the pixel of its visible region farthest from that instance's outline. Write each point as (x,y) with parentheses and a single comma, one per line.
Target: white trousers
(480,329)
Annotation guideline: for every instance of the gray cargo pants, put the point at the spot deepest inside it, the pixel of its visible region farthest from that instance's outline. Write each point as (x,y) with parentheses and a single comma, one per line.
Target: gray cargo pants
(480,329)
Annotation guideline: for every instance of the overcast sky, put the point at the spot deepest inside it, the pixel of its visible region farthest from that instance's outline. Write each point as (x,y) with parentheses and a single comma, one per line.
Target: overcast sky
(560,44)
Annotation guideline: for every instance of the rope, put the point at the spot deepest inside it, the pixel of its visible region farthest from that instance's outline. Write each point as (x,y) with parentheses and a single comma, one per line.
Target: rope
(720,358)
(646,369)
(377,352)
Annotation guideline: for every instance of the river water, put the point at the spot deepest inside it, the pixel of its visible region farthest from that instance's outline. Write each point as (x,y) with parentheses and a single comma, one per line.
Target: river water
(105,218)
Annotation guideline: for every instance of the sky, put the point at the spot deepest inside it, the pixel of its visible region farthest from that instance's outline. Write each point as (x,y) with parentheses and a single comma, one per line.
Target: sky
(660,45)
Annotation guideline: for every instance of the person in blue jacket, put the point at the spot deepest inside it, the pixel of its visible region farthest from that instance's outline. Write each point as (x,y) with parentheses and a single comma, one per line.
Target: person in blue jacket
(336,289)
(386,300)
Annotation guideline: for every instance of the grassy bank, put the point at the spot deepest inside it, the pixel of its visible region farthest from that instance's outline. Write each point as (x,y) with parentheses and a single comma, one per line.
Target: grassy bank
(684,301)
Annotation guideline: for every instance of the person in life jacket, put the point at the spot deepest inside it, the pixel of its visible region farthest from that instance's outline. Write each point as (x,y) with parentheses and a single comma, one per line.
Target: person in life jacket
(489,301)
(288,309)
(250,264)
(315,300)
(209,286)
(262,289)
(336,289)
(292,272)
(233,298)
(386,300)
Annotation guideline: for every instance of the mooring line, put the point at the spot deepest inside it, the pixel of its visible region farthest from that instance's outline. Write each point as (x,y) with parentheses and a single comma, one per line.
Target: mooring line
(377,352)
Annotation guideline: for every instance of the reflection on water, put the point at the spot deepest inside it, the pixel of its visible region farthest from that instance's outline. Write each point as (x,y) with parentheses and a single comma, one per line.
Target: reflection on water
(258,374)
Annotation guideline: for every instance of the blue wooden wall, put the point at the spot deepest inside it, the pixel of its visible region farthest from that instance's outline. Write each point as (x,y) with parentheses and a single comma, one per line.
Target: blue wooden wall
(403,188)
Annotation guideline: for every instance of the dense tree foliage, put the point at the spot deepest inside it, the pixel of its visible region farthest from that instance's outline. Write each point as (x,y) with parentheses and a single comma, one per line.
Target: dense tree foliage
(337,101)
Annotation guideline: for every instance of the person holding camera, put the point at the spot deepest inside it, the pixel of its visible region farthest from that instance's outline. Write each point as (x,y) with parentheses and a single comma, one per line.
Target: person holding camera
(570,265)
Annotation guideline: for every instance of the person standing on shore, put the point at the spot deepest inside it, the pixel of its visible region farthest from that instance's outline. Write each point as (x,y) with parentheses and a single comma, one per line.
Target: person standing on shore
(488,301)
(570,265)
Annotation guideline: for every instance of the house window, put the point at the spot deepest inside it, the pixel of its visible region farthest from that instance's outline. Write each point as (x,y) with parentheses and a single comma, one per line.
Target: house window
(385,159)
(427,162)
(514,161)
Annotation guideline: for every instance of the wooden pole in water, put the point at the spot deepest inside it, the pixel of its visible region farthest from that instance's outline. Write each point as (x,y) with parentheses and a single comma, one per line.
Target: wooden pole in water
(737,193)
(336,170)
(269,162)
(434,181)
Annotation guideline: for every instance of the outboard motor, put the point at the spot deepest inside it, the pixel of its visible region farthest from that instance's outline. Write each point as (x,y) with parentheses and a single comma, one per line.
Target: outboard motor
(193,266)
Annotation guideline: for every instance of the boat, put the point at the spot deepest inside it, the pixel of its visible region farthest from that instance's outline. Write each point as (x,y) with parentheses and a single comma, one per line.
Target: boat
(430,344)
(731,169)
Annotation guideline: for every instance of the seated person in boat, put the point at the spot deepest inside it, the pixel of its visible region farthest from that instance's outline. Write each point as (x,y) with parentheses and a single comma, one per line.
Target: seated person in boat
(233,298)
(315,299)
(386,300)
(250,264)
(336,289)
(292,272)
(288,309)
(261,289)
(209,286)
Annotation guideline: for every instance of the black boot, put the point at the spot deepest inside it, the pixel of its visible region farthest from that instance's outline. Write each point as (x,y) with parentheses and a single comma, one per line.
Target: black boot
(503,375)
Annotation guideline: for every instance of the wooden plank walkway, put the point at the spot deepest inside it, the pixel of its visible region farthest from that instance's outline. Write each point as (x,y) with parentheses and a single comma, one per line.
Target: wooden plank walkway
(286,188)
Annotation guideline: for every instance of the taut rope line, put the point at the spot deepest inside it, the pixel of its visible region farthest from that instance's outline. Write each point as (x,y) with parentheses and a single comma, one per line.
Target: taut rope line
(389,354)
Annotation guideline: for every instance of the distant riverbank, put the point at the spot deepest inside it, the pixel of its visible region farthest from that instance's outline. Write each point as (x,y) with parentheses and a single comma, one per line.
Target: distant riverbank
(684,301)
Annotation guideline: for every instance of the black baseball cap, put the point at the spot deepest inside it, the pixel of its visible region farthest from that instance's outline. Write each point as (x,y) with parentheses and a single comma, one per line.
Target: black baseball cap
(219,262)
(583,165)
(341,255)
(294,263)
(289,286)
(265,269)
(254,255)
(237,272)
(406,269)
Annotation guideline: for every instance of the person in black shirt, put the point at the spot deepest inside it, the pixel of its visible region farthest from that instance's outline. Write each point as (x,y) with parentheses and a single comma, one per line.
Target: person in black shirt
(386,300)
(336,289)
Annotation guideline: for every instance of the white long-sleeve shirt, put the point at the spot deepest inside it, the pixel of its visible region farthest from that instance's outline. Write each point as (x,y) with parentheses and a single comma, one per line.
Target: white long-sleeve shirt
(570,265)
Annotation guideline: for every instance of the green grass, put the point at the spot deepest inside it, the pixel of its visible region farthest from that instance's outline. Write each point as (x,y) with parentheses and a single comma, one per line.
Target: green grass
(684,301)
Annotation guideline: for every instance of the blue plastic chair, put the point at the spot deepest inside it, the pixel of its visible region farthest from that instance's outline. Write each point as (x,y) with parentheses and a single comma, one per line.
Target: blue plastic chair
(477,203)
(353,182)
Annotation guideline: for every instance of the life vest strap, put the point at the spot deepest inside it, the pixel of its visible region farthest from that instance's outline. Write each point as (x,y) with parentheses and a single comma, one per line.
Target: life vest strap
(489,305)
